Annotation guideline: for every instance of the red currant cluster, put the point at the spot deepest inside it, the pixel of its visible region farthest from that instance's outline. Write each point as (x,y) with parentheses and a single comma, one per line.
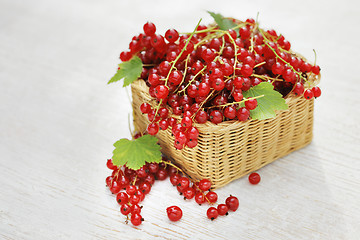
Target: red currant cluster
(201,192)
(132,186)
(201,76)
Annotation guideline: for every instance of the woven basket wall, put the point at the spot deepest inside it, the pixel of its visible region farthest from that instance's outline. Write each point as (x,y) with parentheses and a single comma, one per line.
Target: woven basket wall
(232,149)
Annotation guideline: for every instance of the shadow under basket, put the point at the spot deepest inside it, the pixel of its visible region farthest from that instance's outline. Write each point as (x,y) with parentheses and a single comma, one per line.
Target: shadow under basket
(232,149)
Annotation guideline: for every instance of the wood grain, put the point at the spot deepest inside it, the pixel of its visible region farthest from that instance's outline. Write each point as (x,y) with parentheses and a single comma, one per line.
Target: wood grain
(59,119)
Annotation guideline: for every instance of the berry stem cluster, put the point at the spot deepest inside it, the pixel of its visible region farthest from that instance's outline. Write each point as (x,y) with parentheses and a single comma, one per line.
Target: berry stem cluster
(201,76)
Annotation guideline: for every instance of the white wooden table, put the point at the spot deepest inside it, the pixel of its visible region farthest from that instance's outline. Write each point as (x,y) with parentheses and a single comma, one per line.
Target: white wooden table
(59,119)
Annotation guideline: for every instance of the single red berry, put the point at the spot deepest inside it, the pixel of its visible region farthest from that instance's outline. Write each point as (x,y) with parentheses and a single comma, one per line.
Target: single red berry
(142,172)
(201,117)
(238,82)
(246,70)
(315,69)
(191,143)
(153,167)
(299,89)
(316,91)
(215,43)
(149,28)
(150,179)
(110,164)
(153,128)
(108,181)
(145,187)
(171,35)
(131,189)
(135,199)
(175,77)
(216,116)
(115,187)
(189,193)
(251,104)
(135,209)
(212,213)
(277,68)
(243,114)
(140,194)
(203,89)
(232,203)
(204,184)
(125,56)
(161,174)
(154,79)
(254,178)
(212,197)
(163,112)
(145,108)
(308,94)
(136,219)
(174,213)
(208,55)
(125,209)
(244,33)
(186,122)
(180,138)
(200,198)
(161,91)
(174,179)
(183,183)
(222,209)
(122,198)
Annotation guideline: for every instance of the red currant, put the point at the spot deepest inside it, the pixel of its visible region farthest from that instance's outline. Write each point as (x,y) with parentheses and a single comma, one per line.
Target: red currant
(243,114)
(174,213)
(251,104)
(200,198)
(205,184)
(316,91)
(254,178)
(135,209)
(232,203)
(122,198)
(222,209)
(189,193)
(212,213)
(149,28)
(136,219)
(308,94)
(110,164)
(125,209)
(172,35)
(153,128)
(212,197)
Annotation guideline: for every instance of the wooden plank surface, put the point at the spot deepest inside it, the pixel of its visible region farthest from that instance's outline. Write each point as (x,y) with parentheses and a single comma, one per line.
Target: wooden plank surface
(59,119)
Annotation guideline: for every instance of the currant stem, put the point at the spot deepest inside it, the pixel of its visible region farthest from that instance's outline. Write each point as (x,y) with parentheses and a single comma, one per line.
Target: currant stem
(266,77)
(233,103)
(315,57)
(182,51)
(192,80)
(277,55)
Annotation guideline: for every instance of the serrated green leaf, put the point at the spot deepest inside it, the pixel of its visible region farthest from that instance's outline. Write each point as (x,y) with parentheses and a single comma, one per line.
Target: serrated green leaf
(129,71)
(135,153)
(271,101)
(223,23)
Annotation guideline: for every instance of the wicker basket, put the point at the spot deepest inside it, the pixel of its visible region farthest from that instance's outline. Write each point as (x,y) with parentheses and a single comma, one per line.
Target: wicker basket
(232,149)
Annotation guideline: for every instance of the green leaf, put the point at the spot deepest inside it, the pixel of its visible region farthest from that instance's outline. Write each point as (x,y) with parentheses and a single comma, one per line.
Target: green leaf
(271,101)
(223,23)
(135,153)
(129,71)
